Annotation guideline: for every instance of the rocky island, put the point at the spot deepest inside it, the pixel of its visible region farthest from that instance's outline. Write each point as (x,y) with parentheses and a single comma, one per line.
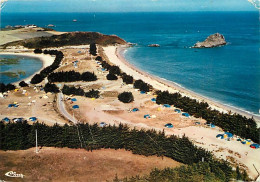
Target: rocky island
(214,40)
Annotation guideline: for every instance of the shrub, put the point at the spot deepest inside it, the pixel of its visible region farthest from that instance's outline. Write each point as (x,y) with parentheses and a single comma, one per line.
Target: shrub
(23,84)
(126,97)
(37,51)
(4,88)
(72,90)
(115,70)
(142,85)
(92,94)
(99,58)
(51,88)
(36,79)
(93,49)
(127,79)
(88,76)
(111,77)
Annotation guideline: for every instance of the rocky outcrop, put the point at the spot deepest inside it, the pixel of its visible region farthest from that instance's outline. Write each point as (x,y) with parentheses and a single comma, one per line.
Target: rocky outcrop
(214,40)
(154,45)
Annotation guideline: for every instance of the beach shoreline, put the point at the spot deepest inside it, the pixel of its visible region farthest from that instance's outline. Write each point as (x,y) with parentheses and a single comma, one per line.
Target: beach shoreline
(163,84)
(46,60)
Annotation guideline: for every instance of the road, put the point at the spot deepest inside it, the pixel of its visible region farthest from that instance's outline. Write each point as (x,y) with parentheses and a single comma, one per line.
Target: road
(63,110)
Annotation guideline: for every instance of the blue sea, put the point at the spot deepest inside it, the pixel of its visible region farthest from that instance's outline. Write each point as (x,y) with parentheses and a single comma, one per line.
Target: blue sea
(229,74)
(27,65)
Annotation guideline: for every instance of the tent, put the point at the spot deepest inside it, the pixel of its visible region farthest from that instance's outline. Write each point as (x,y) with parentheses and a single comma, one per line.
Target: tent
(197,123)
(135,110)
(166,105)
(229,135)
(185,114)
(6,119)
(10,105)
(153,99)
(212,126)
(75,107)
(220,136)
(255,146)
(147,116)
(177,110)
(102,124)
(168,125)
(79,51)
(32,118)
(73,99)
(142,92)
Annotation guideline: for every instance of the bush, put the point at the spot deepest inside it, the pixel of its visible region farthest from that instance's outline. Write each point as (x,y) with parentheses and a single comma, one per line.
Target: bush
(36,79)
(23,84)
(88,76)
(72,90)
(92,94)
(142,85)
(51,88)
(99,58)
(37,51)
(126,97)
(115,70)
(111,77)
(4,88)
(127,79)
(93,49)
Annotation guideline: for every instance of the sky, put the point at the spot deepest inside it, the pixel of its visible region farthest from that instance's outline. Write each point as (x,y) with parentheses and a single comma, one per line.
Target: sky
(127,5)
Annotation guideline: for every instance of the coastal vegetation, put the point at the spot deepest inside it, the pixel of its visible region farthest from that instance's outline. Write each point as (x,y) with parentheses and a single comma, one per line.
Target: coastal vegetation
(5,88)
(142,86)
(51,88)
(93,49)
(234,123)
(23,84)
(71,76)
(80,92)
(126,97)
(21,136)
(46,71)
(68,39)
(127,78)
(111,77)
(196,172)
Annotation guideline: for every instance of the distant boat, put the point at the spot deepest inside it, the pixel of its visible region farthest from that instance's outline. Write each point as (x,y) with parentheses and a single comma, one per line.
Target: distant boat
(50,25)
(74,20)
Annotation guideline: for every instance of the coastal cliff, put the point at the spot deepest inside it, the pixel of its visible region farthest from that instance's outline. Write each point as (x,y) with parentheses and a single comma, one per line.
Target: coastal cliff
(214,40)
(72,38)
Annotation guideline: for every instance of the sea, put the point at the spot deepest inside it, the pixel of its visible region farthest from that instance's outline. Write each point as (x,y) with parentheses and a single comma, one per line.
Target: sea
(228,74)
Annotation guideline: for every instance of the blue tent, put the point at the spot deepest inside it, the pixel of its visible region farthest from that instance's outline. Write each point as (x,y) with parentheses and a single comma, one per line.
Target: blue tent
(79,51)
(147,116)
(168,125)
(197,123)
(102,124)
(10,105)
(6,119)
(166,105)
(212,126)
(135,109)
(75,107)
(255,145)
(32,118)
(177,110)
(185,114)
(153,99)
(230,135)
(15,105)
(73,99)
(103,69)
(221,136)
(142,92)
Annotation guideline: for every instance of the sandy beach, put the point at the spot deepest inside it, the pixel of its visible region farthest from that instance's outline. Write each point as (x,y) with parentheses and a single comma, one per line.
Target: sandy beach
(116,56)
